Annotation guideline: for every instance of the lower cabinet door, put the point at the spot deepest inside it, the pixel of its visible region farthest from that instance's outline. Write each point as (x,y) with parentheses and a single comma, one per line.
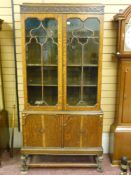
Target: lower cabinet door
(62,131)
(82,131)
(71,130)
(92,131)
(42,131)
(52,125)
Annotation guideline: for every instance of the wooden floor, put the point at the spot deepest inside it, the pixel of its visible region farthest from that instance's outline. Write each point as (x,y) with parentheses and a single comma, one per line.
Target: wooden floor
(12,167)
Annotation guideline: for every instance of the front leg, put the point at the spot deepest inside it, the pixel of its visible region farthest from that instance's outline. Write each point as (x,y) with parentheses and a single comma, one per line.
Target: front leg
(24,166)
(99,160)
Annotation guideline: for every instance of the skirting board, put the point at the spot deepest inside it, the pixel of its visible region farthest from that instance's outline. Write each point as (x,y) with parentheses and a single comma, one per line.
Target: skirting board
(18,140)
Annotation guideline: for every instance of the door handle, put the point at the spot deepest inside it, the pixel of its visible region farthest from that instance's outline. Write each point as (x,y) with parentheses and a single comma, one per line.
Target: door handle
(41,130)
(125,96)
(82,131)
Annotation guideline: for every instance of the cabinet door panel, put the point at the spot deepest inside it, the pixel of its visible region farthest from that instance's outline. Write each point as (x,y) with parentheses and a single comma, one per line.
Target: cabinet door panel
(126,116)
(32,130)
(42,131)
(92,131)
(52,131)
(82,131)
(71,132)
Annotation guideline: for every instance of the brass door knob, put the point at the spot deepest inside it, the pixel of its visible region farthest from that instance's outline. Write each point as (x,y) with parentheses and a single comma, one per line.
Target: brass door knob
(41,130)
(82,131)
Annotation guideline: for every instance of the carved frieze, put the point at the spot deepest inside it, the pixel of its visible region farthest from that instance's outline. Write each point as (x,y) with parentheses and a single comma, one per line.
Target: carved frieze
(62,9)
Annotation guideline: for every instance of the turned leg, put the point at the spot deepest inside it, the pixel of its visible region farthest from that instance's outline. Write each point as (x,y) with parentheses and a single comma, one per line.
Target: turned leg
(24,166)
(99,160)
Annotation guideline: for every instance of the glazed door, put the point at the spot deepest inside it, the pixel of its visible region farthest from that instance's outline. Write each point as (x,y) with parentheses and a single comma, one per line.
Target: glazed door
(82,53)
(43,61)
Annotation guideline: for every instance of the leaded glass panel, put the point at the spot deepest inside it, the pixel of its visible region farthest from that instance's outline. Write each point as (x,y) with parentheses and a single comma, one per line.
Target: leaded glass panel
(82,61)
(42,61)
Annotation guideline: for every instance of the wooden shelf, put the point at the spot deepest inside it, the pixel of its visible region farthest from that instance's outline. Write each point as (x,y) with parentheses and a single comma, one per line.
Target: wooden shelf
(69,164)
(44,65)
(52,85)
(33,65)
(62,161)
(74,85)
(34,84)
(50,65)
(79,65)
(90,85)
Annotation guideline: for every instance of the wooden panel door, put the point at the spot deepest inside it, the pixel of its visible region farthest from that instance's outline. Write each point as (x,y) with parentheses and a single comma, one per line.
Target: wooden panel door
(82,131)
(71,130)
(42,131)
(126,114)
(52,125)
(92,131)
(32,131)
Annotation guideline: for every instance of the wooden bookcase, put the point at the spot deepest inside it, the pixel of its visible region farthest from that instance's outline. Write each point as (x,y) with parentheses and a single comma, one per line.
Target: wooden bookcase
(62,62)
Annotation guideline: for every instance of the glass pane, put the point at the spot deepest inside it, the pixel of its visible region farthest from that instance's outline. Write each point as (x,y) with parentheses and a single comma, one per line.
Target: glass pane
(90,75)
(34,75)
(91,50)
(31,23)
(33,52)
(73,95)
(42,60)
(90,95)
(34,95)
(49,52)
(93,25)
(50,76)
(74,51)
(82,61)
(73,76)
(51,94)
(127,39)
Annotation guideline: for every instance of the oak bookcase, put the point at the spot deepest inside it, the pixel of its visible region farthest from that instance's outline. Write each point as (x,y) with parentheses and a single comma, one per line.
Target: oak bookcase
(62,62)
